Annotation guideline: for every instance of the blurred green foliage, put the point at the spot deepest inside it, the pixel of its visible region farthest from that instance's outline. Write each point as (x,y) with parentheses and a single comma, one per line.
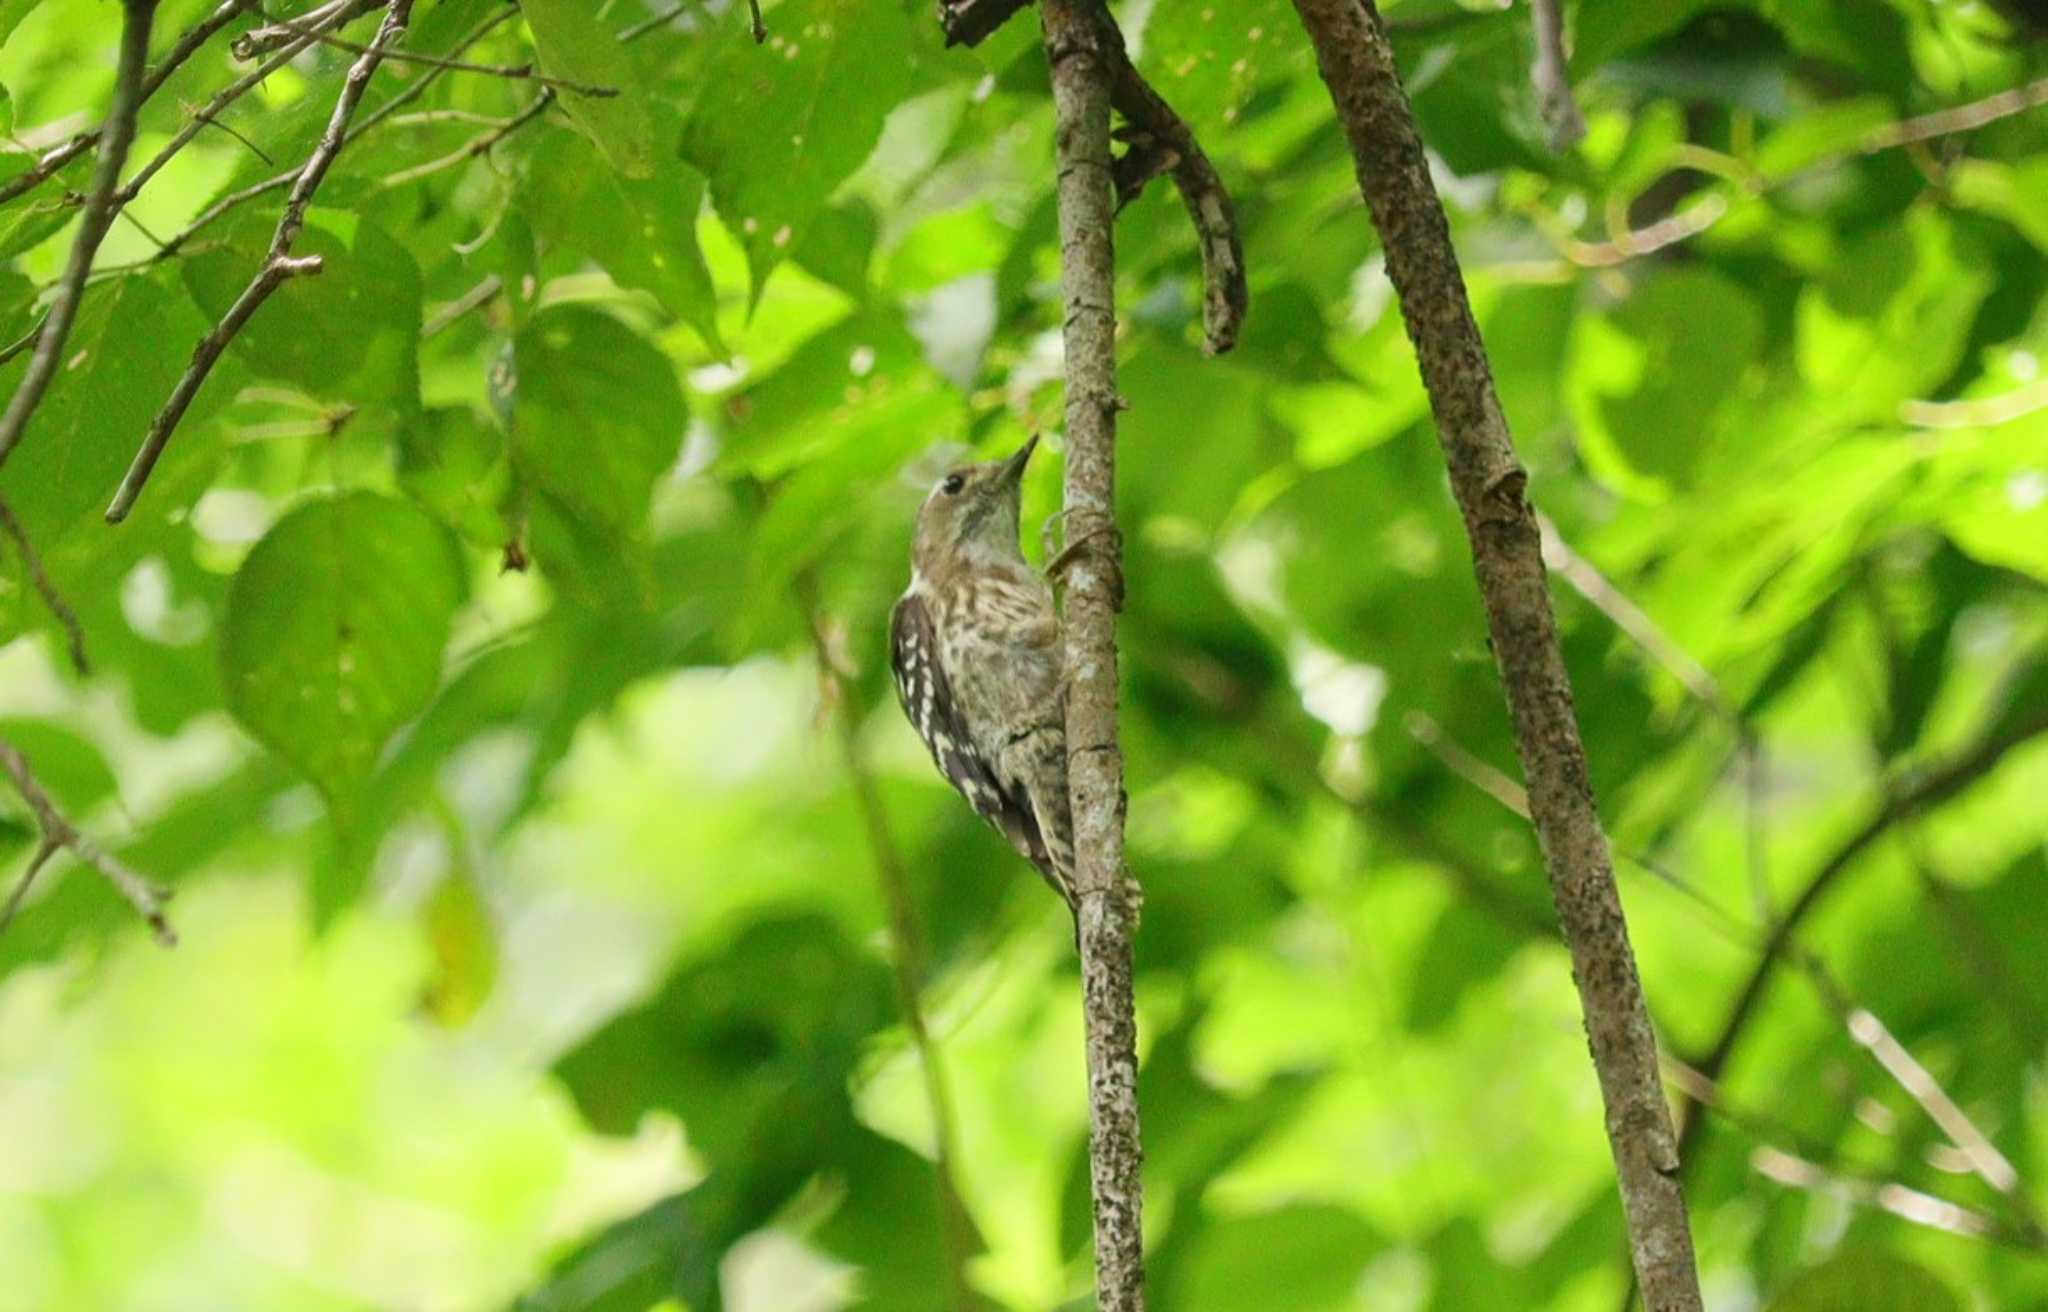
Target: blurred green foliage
(533,952)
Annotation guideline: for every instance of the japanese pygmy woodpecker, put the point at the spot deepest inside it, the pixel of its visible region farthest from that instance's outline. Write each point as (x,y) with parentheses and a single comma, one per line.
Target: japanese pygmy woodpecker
(975,643)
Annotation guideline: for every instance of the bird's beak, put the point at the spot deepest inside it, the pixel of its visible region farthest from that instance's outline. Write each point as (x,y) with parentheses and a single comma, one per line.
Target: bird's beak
(1013,468)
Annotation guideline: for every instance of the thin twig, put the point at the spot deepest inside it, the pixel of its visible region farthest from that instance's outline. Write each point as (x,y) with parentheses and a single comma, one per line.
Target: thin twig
(637,30)
(514,72)
(23,342)
(1902,1201)
(908,956)
(206,114)
(181,50)
(1551,73)
(39,578)
(279,265)
(263,40)
(475,298)
(1084,67)
(147,899)
(1875,1037)
(117,134)
(1709,210)
(471,149)
(1160,141)
(1961,118)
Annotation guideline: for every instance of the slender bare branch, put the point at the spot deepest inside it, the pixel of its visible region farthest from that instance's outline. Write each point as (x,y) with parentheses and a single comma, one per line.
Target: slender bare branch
(754,23)
(475,298)
(1960,118)
(279,265)
(262,40)
(655,22)
(58,832)
(23,342)
(1551,73)
(1490,485)
(471,149)
(182,50)
(207,113)
(117,134)
(1084,67)
(39,578)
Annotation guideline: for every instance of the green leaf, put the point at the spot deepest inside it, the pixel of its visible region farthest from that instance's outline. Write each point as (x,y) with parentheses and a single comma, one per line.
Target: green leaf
(1301,1258)
(130,344)
(597,415)
(644,233)
(1645,394)
(334,630)
(1866,1280)
(575,48)
(779,126)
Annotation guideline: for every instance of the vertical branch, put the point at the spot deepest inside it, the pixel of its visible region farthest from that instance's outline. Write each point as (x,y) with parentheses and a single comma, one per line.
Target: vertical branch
(1082,71)
(908,954)
(1489,482)
(115,138)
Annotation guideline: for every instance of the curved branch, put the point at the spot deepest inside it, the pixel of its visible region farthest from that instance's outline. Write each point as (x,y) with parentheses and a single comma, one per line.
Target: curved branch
(1161,142)
(117,135)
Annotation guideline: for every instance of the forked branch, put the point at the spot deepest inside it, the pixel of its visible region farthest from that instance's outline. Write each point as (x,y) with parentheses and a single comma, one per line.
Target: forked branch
(279,264)
(58,834)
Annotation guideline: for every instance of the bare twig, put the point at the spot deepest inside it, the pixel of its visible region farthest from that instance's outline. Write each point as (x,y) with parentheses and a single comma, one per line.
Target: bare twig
(475,298)
(183,49)
(654,22)
(754,23)
(23,342)
(1710,209)
(515,72)
(471,149)
(1084,68)
(1875,1037)
(39,578)
(1489,483)
(1961,118)
(1161,142)
(58,832)
(207,113)
(908,957)
(117,134)
(1552,75)
(262,40)
(1902,1201)
(279,265)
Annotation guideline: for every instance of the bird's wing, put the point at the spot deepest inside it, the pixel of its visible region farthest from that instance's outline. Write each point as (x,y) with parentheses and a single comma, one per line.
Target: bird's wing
(927,697)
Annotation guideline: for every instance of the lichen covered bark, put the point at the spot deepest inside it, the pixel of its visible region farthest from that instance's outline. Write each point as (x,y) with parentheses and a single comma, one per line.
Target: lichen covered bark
(1489,483)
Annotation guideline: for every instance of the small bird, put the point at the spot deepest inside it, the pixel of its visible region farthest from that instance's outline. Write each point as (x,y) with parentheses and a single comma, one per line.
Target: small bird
(975,644)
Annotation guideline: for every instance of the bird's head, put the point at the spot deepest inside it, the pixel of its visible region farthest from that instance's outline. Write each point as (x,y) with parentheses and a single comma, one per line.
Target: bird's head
(971,515)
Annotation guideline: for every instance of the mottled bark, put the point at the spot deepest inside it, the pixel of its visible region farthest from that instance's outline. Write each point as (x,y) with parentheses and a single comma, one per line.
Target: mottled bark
(1489,483)
(1082,70)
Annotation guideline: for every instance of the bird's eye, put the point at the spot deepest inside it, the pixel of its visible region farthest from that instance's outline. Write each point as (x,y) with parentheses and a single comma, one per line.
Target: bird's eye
(953,484)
